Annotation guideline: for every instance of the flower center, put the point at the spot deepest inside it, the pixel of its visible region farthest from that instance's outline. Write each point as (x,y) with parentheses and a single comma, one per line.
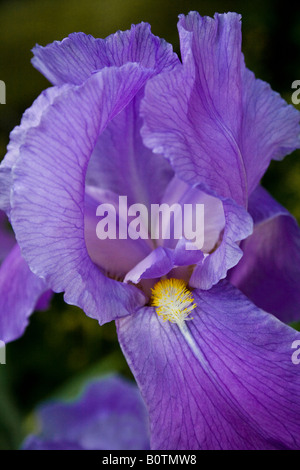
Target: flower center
(173,301)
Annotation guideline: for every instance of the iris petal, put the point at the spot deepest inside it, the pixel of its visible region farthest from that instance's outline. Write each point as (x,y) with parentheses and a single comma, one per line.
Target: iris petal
(269,271)
(226,381)
(49,186)
(217,125)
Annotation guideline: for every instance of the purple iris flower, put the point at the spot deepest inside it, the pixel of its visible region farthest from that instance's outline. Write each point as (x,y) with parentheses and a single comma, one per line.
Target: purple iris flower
(108,415)
(126,118)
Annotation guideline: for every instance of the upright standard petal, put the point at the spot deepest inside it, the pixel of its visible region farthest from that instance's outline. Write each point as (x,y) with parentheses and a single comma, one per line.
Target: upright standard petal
(224,380)
(120,148)
(269,271)
(215,122)
(49,189)
(110,414)
(121,163)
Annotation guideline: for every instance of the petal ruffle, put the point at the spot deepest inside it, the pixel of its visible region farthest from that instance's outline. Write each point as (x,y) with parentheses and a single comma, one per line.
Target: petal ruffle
(269,271)
(270,128)
(210,117)
(75,58)
(49,187)
(20,291)
(225,381)
(31,118)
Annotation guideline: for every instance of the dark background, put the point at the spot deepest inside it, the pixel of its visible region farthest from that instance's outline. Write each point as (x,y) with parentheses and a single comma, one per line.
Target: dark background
(62,346)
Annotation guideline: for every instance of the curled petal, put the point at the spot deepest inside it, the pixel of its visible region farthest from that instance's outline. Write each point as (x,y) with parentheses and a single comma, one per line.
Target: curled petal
(238,226)
(158,263)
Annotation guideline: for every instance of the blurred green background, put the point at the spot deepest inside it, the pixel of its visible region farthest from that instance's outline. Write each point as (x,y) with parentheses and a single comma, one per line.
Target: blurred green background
(62,346)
